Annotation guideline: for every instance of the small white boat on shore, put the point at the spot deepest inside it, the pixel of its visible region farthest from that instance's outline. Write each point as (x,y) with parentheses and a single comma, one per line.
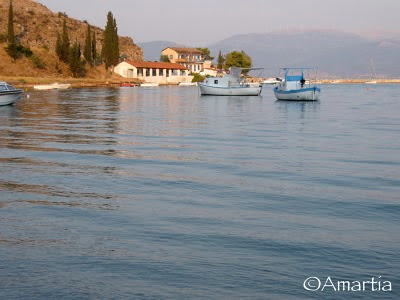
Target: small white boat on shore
(54,86)
(296,87)
(9,94)
(150,84)
(187,83)
(231,84)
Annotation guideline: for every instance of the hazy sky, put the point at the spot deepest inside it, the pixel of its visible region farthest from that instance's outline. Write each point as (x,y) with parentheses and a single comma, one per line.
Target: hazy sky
(202,22)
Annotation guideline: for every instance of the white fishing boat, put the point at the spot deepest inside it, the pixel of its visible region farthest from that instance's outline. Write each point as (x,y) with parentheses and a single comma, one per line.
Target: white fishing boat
(231,84)
(54,86)
(150,84)
(9,94)
(272,80)
(295,86)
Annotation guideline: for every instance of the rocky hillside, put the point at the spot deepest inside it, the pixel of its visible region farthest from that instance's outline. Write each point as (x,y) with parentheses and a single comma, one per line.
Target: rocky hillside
(37,27)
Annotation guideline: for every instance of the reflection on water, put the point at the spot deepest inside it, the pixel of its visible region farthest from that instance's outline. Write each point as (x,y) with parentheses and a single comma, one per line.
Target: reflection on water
(160,193)
(298,109)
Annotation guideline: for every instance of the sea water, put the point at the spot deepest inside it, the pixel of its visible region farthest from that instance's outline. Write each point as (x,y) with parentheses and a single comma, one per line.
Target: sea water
(160,193)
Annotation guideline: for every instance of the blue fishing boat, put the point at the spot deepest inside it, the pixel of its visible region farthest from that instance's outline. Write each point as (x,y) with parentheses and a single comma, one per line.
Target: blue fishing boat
(296,87)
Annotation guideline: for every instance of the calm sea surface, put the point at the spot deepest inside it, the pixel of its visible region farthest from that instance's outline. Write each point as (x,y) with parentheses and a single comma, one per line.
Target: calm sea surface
(159,193)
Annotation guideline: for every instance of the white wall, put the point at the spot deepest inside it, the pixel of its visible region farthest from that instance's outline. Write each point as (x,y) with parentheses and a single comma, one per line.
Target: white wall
(123,68)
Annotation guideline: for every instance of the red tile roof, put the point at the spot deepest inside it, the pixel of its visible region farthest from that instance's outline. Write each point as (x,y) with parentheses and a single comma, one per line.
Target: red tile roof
(155,65)
(186,50)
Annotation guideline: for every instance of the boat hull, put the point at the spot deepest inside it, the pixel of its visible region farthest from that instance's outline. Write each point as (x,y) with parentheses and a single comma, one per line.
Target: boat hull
(54,86)
(187,84)
(307,94)
(149,84)
(230,91)
(8,98)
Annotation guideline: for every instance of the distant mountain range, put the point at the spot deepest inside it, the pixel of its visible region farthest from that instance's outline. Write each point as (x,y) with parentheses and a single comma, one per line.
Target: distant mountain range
(336,54)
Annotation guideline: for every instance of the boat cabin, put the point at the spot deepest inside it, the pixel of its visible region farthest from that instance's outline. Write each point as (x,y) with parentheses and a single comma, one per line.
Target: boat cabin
(294,82)
(295,78)
(4,87)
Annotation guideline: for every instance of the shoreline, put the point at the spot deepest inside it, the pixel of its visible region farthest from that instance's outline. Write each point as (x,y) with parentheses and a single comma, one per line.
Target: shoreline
(28,82)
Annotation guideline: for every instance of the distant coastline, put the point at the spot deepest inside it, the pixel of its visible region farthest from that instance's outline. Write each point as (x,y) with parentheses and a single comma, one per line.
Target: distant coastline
(29,82)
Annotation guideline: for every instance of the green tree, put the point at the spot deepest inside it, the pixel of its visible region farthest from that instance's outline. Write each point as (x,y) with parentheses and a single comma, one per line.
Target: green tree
(206,53)
(14,49)
(164,58)
(63,44)
(10,33)
(110,50)
(75,61)
(59,47)
(220,60)
(197,77)
(115,47)
(238,59)
(94,50)
(88,47)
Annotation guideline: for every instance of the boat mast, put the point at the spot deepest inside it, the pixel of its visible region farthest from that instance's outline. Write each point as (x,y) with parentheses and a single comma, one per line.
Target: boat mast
(373,67)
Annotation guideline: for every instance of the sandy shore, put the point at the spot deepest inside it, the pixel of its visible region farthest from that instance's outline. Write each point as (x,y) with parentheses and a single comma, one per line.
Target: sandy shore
(357,81)
(28,82)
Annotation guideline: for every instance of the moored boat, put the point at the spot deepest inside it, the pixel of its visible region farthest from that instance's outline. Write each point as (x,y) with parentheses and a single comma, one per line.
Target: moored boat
(54,86)
(296,87)
(187,83)
(128,84)
(231,84)
(9,94)
(150,84)
(272,80)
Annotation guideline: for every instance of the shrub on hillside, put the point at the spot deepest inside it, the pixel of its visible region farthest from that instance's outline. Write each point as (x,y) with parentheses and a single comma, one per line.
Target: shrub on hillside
(17,51)
(37,62)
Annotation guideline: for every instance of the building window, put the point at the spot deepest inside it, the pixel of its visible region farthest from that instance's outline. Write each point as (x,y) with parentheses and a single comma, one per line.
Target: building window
(171,56)
(154,72)
(215,81)
(147,72)
(182,73)
(175,72)
(140,72)
(198,67)
(161,72)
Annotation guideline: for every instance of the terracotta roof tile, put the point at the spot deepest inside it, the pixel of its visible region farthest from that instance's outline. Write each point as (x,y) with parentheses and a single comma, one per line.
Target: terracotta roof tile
(186,50)
(155,65)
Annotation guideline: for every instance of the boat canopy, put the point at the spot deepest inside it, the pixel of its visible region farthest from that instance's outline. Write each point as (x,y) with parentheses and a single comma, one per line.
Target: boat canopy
(292,74)
(236,71)
(294,77)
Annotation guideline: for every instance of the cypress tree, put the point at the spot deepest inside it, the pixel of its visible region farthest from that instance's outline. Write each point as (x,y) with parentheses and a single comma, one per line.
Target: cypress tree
(220,60)
(94,51)
(65,43)
(115,52)
(75,62)
(88,47)
(110,50)
(59,46)
(10,33)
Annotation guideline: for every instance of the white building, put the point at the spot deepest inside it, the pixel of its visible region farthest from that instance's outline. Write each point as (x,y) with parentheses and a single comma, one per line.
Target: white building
(154,72)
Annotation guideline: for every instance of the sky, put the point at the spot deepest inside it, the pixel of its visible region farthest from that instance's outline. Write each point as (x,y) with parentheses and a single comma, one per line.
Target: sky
(203,22)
